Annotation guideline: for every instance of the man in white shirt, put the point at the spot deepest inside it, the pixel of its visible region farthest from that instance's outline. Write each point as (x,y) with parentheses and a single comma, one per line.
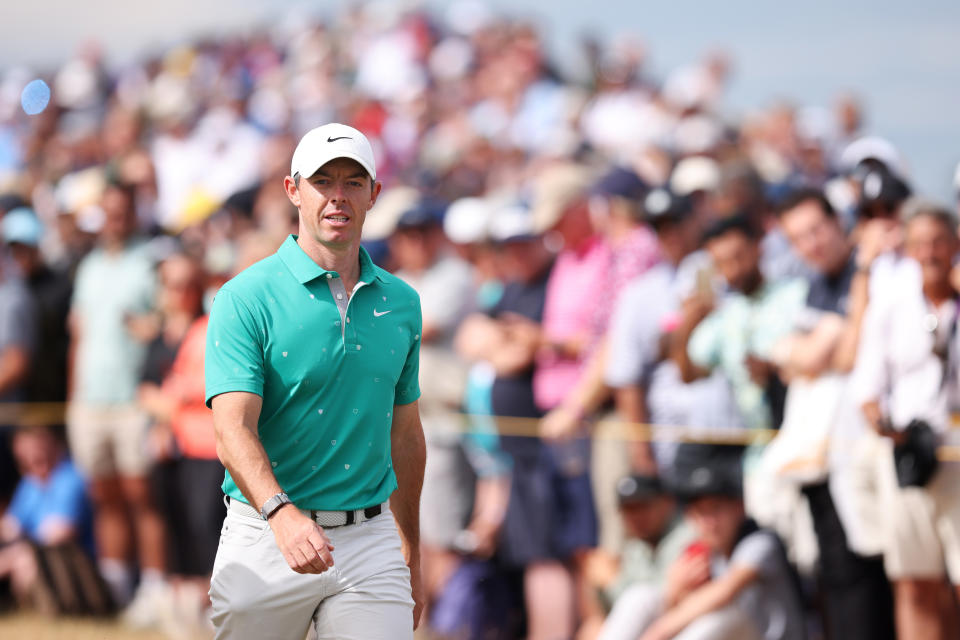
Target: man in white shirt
(906,371)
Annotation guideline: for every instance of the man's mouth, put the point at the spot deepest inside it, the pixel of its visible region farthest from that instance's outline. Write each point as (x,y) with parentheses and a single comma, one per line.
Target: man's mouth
(339,218)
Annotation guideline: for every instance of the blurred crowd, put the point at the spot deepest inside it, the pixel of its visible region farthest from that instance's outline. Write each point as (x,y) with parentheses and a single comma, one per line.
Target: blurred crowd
(683,375)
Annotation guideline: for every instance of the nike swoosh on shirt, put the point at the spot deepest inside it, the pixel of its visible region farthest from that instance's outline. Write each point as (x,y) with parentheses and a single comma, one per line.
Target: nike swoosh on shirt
(381,313)
(329,139)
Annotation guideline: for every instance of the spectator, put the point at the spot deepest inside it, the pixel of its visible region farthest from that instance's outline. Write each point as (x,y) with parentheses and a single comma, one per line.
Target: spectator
(17,344)
(45,536)
(647,384)
(532,534)
(738,337)
(567,342)
(445,285)
(656,537)
(178,306)
(816,357)
(51,290)
(736,583)
(904,381)
(112,295)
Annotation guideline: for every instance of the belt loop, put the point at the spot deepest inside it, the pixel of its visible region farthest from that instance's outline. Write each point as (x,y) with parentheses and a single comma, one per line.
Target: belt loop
(313,515)
(350,517)
(226,501)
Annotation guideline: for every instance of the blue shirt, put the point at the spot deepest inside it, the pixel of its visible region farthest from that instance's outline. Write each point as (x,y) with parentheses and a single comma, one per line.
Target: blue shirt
(63,496)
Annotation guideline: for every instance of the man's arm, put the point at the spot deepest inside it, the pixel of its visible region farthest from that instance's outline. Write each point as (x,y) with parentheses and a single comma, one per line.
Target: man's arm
(409,453)
(809,355)
(14,366)
(632,408)
(845,355)
(302,541)
(712,596)
(694,310)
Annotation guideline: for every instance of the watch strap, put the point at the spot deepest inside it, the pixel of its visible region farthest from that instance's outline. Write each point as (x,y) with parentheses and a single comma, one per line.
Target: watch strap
(273,503)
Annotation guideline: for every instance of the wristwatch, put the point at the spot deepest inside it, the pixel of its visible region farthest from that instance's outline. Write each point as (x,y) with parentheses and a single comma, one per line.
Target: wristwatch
(272,504)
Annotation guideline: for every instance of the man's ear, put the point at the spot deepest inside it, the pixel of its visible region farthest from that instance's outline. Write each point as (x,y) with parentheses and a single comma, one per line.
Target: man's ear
(292,191)
(375,193)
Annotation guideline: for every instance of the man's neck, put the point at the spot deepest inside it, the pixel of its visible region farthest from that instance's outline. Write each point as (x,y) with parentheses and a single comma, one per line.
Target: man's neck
(346,261)
(938,292)
(841,264)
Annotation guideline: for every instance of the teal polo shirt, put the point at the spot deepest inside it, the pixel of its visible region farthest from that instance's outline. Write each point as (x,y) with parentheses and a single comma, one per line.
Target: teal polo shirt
(328,385)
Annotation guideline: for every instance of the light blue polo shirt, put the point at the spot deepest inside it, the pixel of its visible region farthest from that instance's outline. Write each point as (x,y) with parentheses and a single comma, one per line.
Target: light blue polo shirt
(329,376)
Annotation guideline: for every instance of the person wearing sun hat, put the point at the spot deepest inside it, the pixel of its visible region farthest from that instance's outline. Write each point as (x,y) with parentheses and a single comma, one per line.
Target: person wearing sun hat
(311,365)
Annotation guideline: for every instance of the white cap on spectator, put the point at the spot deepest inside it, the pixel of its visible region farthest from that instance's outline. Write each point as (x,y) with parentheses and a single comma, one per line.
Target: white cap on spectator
(329,142)
(468,220)
(695,174)
(512,222)
(876,148)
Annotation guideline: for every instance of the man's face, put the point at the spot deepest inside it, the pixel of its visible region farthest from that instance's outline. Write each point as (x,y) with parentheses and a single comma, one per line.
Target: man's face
(648,519)
(574,225)
(26,257)
(333,203)
(737,258)
(932,244)
(414,248)
(717,520)
(522,260)
(118,215)
(36,454)
(815,236)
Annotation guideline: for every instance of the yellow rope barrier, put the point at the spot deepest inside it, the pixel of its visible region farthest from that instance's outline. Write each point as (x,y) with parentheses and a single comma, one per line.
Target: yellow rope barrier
(54,413)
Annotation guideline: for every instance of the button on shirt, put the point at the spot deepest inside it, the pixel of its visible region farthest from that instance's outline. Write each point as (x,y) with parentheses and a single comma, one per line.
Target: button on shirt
(328,386)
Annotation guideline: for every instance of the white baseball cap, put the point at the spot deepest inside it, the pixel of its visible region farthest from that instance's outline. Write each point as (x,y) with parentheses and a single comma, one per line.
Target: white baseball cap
(328,142)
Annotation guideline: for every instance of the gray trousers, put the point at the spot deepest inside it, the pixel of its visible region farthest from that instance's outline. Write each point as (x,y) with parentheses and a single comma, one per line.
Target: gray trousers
(642,604)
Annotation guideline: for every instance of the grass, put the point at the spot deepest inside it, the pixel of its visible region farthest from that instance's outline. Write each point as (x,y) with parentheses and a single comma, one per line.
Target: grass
(33,626)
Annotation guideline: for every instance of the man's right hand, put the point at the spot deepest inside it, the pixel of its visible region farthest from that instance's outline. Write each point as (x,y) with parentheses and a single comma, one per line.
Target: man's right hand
(301,540)
(877,236)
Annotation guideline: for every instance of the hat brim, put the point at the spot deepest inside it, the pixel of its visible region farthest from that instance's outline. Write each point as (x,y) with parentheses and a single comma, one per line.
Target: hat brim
(335,156)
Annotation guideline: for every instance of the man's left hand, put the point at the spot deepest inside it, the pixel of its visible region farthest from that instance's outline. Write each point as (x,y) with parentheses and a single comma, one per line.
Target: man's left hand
(561,423)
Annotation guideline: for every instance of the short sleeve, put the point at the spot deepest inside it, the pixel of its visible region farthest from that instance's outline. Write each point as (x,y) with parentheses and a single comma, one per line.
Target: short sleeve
(19,508)
(447,295)
(18,320)
(704,345)
(759,551)
(234,355)
(408,385)
(67,498)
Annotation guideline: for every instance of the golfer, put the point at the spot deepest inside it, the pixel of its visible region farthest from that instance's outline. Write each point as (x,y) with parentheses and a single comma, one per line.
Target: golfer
(311,371)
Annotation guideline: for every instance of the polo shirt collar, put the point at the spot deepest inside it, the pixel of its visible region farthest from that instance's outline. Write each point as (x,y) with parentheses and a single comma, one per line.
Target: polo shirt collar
(304,269)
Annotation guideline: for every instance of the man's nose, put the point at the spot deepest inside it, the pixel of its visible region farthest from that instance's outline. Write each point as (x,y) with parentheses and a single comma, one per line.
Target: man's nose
(338,192)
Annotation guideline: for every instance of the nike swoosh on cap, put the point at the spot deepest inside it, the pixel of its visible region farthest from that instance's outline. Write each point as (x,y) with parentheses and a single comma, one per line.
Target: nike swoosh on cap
(381,313)
(329,139)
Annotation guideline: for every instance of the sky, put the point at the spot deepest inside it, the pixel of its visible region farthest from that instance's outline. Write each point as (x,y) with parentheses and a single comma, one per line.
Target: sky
(901,59)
